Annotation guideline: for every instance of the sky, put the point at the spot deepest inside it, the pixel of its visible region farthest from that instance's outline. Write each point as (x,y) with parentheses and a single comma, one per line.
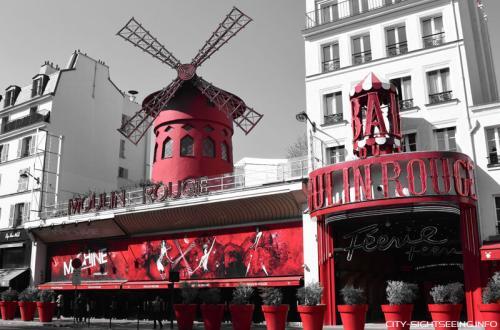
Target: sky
(263,64)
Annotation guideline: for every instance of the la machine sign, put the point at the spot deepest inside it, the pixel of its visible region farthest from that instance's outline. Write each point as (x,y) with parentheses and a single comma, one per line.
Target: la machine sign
(391,176)
(152,193)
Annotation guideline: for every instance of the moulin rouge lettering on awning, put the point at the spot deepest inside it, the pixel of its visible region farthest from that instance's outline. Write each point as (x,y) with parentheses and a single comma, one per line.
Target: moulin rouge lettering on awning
(391,176)
(158,192)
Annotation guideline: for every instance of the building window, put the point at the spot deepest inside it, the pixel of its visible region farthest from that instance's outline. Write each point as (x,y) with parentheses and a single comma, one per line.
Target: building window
(332,105)
(11,95)
(396,40)
(409,142)
(4,153)
(493,142)
(497,209)
(122,148)
(446,139)
(187,146)
(19,213)
(405,95)
(335,154)
(432,31)
(208,148)
(439,86)
(26,147)
(22,182)
(224,151)
(122,172)
(331,57)
(167,148)
(39,85)
(328,11)
(361,47)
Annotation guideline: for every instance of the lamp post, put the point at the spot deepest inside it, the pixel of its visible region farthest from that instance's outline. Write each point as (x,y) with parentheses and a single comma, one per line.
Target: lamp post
(303,117)
(25,174)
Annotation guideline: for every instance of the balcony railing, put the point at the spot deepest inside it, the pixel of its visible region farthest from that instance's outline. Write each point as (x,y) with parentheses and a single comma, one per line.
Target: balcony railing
(25,121)
(397,49)
(333,118)
(344,9)
(433,40)
(331,65)
(360,58)
(440,97)
(405,104)
(493,160)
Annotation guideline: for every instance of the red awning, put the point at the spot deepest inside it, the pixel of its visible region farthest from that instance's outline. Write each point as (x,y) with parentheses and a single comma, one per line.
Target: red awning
(85,285)
(140,285)
(490,251)
(256,281)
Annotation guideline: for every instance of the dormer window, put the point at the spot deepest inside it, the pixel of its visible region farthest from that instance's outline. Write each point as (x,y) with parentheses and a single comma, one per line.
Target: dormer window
(11,94)
(39,83)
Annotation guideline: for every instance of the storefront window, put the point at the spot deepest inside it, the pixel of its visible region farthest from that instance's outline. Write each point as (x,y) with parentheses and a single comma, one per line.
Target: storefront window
(13,257)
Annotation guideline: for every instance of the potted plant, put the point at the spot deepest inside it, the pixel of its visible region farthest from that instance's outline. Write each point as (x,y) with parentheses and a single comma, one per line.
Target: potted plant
(490,308)
(447,304)
(8,304)
(186,312)
(400,296)
(275,313)
(353,312)
(241,309)
(27,303)
(310,308)
(211,309)
(46,305)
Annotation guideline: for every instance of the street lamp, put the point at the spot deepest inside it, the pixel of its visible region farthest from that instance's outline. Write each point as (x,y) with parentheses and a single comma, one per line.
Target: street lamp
(25,174)
(303,117)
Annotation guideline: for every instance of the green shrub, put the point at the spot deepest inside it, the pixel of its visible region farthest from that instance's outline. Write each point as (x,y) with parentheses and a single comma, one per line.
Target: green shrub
(271,296)
(46,296)
(491,294)
(242,295)
(188,293)
(210,296)
(28,294)
(310,295)
(352,295)
(399,292)
(10,295)
(452,293)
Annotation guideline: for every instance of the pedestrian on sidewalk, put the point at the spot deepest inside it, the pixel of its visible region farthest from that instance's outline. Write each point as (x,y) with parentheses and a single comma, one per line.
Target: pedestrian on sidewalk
(59,305)
(157,307)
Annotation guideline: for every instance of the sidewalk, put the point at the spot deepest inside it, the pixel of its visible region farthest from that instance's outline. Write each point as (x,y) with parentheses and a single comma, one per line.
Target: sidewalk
(145,324)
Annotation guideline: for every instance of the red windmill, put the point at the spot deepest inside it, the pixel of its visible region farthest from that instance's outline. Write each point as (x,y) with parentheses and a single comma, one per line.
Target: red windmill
(192,118)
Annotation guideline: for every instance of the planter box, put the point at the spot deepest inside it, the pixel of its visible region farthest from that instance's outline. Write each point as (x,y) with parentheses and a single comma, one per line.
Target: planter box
(312,316)
(8,309)
(45,310)
(353,316)
(241,316)
(398,317)
(275,316)
(185,314)
(490,313)
(27,309)
(442,313)
(212,315)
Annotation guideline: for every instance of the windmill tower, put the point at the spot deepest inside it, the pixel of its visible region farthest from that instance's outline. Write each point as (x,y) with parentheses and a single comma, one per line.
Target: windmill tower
(192,119)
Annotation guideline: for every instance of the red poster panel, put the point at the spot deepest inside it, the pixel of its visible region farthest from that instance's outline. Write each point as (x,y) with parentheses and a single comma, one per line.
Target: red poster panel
(250,252)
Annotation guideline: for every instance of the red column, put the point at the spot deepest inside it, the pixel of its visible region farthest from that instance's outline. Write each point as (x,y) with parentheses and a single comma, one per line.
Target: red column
(472,260)
(327,270)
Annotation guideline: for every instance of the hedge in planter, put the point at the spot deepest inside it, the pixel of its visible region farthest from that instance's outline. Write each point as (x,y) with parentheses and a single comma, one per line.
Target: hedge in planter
(353,312)
(275,313)
(185,313)
(211,311)
(490,308)
(310,309)
(27,303)
(8,305)
(400,296)
(447,304)
(241,309)
(46,305)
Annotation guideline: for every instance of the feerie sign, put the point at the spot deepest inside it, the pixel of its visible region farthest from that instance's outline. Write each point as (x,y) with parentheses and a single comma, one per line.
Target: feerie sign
(152,193)
(391,176)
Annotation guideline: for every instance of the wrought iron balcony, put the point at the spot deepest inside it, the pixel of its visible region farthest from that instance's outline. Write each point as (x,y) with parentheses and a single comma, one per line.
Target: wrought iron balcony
(397,49)
(433,40)
(440,97)
(25,121)
(344,9)
(331,65)
(405,104)
(360,58)
(333,118)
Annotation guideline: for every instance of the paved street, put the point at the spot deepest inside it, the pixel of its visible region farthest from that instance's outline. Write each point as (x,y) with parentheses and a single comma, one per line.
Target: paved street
(132,325)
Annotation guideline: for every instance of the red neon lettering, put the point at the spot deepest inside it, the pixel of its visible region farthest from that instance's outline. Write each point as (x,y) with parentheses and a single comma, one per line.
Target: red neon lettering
(422,177)
(345,181)
(445,175)
(385,178)
(357,127)
(365,184)
(374,117)
(462,185)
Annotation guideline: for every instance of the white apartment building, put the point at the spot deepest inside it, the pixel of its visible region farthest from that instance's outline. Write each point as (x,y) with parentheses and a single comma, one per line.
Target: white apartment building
(59,138)
(438,55)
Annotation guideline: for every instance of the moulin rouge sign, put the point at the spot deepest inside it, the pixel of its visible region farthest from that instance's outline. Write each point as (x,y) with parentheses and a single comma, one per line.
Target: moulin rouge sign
(391,176)
(158,192)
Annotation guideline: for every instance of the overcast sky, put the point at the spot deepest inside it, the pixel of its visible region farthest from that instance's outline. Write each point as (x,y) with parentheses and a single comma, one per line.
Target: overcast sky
(263,64)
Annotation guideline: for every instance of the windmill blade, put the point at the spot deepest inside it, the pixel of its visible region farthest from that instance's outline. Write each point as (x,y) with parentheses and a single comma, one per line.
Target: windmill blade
(230,26)
(243,116)
(135,33)
(135,128)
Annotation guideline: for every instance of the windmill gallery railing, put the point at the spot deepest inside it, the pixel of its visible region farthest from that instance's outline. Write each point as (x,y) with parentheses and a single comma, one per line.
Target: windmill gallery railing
(333,11)
(241,179)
